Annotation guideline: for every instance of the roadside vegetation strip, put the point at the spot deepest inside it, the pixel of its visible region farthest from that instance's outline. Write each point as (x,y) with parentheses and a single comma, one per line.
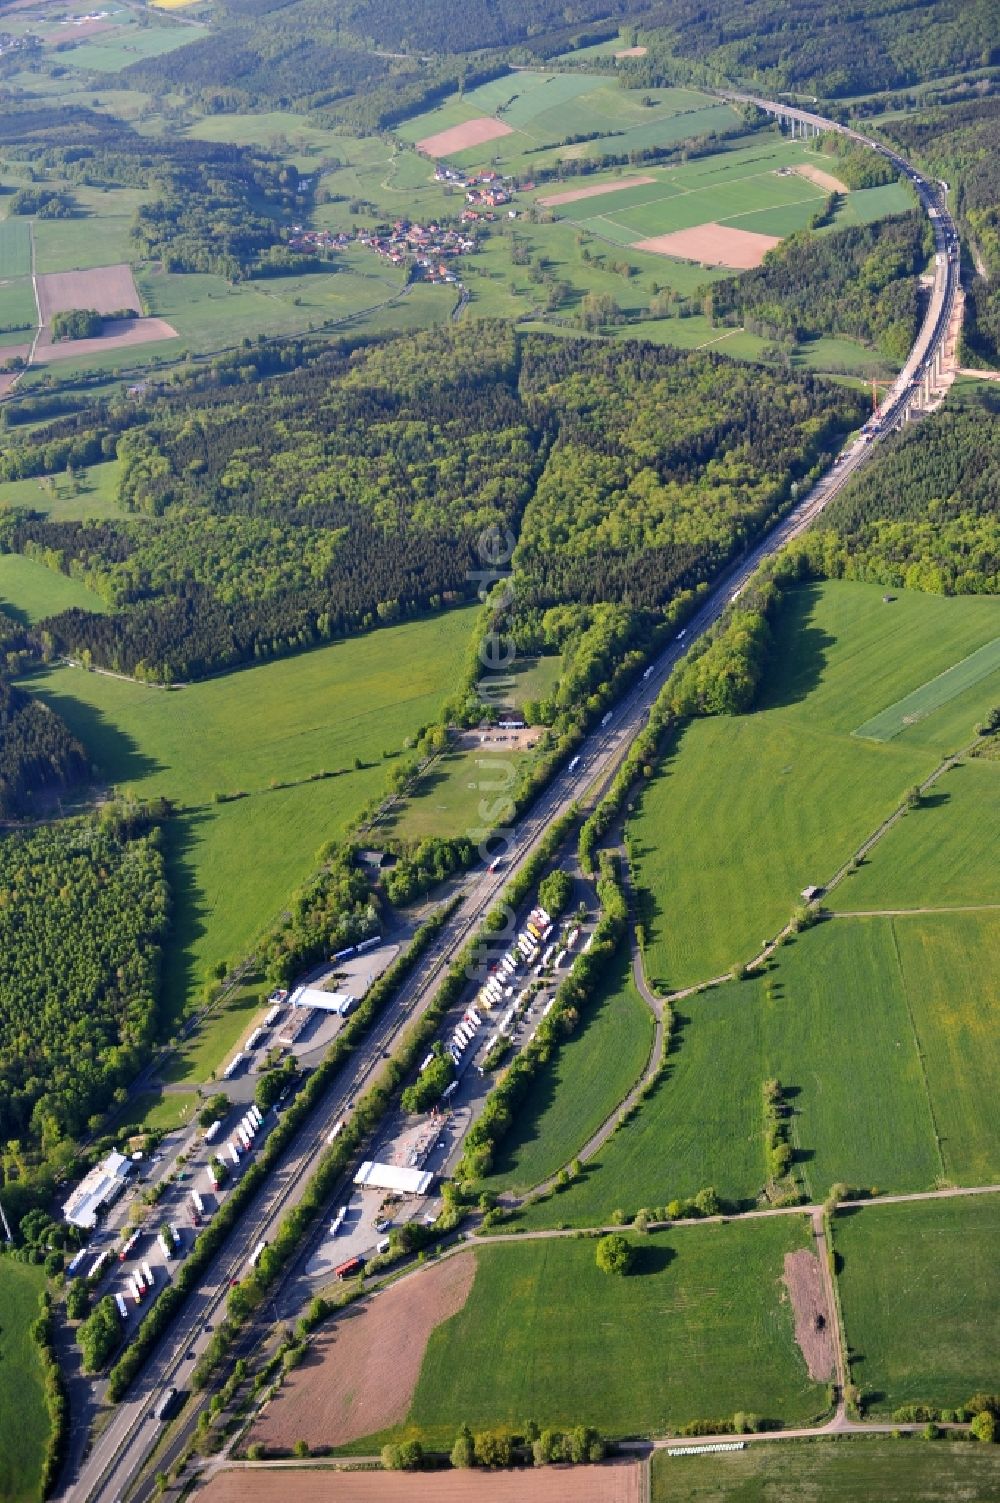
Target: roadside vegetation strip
(334,1160)
(920,1301)
(922,702)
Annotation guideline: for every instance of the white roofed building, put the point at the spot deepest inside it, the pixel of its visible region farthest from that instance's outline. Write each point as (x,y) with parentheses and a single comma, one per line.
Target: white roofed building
(375,1176)
(102,1185)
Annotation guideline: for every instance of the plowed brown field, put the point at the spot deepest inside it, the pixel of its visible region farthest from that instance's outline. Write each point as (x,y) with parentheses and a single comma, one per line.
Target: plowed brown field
(106,289)
(360,1374)
(461,137)
(575,194)
(714,244)
(612,1482)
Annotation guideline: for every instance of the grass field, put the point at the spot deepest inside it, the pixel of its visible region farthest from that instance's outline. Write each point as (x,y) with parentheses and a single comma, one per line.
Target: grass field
(90,494)
(15,248)
(24,1426)
(882,1032)
(593,1071)
(939,691)
(942,854)
(788,788)
(30,591)
(157,1111)
(449,800)
(109,54)
(700,1329)
(232,866)
(915,1286)
(859,1470)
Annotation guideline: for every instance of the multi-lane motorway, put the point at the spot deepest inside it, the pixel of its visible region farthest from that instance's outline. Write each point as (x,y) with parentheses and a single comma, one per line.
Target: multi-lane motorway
(127,1441)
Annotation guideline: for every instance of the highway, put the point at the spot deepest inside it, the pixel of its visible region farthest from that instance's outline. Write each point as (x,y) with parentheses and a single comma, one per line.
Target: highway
(128,1439)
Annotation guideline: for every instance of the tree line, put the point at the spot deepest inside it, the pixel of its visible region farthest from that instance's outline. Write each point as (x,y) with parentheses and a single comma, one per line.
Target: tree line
(37,751)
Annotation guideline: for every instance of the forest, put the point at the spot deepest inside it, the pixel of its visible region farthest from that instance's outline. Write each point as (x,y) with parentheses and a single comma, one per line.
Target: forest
(216,207)
(37,752)
(84,912)
(926,514)
(860,281)
(961,143)
(352,492)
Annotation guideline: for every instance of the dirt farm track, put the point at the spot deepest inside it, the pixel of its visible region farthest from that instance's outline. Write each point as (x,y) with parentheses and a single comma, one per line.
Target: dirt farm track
(612,1482)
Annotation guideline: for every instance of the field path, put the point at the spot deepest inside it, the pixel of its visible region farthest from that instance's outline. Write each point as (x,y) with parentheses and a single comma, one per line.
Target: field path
(840,875)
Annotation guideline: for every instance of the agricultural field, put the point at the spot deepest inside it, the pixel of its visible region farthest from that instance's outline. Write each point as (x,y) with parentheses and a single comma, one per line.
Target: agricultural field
(281,723)
(882,1033)
(593,1071)
(522,119)
(943,854)
(790,787)
(843,1471)
(701,1328)
(761,188)
(915,1284)
(24,1425)
(29,591)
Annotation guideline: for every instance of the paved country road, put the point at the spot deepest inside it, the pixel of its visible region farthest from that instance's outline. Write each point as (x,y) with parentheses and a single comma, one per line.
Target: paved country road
(129,1437)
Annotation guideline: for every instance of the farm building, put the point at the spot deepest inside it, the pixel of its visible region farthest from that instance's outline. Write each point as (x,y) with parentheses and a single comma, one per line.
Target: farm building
(102,1185)
(376,1176)
(311,996)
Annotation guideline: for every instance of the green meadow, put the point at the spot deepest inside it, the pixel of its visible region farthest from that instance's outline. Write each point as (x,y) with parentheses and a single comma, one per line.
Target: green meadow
(66,498)
(545,1335)
(788,789)
(883,1034)
(855,1469)
(233,865)
(915,1285)
(30,591)
(942,854)
(591,1074)
(24,1425)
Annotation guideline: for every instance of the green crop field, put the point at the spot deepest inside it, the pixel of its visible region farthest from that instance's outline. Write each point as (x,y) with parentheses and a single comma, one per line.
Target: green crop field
(832,1024)
(89,493)
(15,248)
(788,789)
(950,964)
(943,854)
(884,1035)
(593,1071)
(232,866)
(24,1425)
(702,1328)
(18,311)
(856,1470)
(109,54)
(915,1285)
(931,696)
(544,109)
(30,591)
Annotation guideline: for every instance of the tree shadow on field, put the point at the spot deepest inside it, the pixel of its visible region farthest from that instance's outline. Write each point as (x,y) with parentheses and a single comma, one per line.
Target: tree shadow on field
(116,755)
(933,800)
(798,654)
(651,1257)
(187,922)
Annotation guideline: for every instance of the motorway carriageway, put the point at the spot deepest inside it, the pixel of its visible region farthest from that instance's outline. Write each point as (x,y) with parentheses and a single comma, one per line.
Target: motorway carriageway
(128,1439)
